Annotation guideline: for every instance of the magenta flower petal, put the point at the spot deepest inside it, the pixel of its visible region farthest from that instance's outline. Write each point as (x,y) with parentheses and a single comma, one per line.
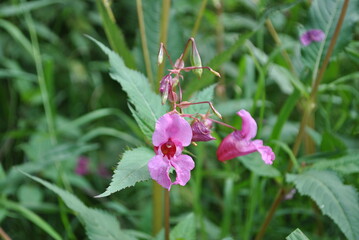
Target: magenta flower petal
(265,151)
(183,165)
(239,143)
(159,168)
(82,167)
(249,125)
(234,145)
(174,127)
(317,35)
(305,39)
(309,36)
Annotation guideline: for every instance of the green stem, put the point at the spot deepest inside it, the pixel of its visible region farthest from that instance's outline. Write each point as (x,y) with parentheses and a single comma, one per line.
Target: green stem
(157,201)
(199,18)
(167,214)
(158,191)
(146,55)
(306,116)
(50,119)
(166,5)
(198,186)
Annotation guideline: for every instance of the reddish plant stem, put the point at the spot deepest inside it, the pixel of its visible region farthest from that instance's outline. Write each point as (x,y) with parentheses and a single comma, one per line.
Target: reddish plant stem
(3,235)
(307,113)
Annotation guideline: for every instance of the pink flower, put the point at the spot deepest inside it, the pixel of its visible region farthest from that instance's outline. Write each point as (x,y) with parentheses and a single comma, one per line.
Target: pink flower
(82,167)
(240,143)
(172,133)
(315,35)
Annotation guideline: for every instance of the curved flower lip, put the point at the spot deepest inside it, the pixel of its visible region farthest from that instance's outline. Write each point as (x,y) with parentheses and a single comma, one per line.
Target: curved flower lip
(239,142)
(172,126)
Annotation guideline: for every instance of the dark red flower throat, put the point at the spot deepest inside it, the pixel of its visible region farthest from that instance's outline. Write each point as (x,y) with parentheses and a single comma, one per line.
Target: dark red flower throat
(168,149)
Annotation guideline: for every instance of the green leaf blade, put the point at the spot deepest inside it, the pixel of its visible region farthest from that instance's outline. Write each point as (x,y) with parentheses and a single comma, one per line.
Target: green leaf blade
(338,201)
(99,224)
(147,104)
(297,235)
(131,169)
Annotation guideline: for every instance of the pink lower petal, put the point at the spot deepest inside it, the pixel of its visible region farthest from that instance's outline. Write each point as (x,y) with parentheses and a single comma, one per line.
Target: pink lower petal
(183,165)
(265,151)
(159,167)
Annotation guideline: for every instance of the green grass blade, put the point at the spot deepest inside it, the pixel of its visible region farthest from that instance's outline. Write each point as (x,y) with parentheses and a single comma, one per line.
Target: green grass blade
(115,36)
(31,216)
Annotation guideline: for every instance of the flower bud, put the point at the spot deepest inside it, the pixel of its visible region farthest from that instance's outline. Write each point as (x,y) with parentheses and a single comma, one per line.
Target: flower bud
(179,64)
(196,59)
(165,87)
(160,55)
(200,133)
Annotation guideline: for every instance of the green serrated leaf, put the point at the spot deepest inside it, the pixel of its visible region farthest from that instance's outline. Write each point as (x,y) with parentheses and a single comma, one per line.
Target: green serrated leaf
(131,169)
(255,164)
(204,95)
(347,164)
(324,15)
(185,229)
(99,224)
(338,201)
(297,235)
(135,84)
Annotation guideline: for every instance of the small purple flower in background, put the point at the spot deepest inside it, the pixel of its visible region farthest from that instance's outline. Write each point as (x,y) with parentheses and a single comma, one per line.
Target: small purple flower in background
(290,194)
(309,36)
(240,142)
(82,167)
(171,134)
(103,171)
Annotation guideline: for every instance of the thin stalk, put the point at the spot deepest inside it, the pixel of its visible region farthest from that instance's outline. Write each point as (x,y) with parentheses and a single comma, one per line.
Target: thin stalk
(166,5)
(158,191)
(221,90)
(199,18)
(157,201)
(167,214)
(146,55)
(197,191)
(106,3)
(50,119)
(3,234)
(277,40)
(306,116)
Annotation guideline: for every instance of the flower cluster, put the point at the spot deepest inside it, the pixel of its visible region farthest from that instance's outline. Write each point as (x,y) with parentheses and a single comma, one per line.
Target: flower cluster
(173,133)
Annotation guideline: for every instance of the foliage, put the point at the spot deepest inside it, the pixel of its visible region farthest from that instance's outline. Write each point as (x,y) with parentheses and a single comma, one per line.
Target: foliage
(59,105)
